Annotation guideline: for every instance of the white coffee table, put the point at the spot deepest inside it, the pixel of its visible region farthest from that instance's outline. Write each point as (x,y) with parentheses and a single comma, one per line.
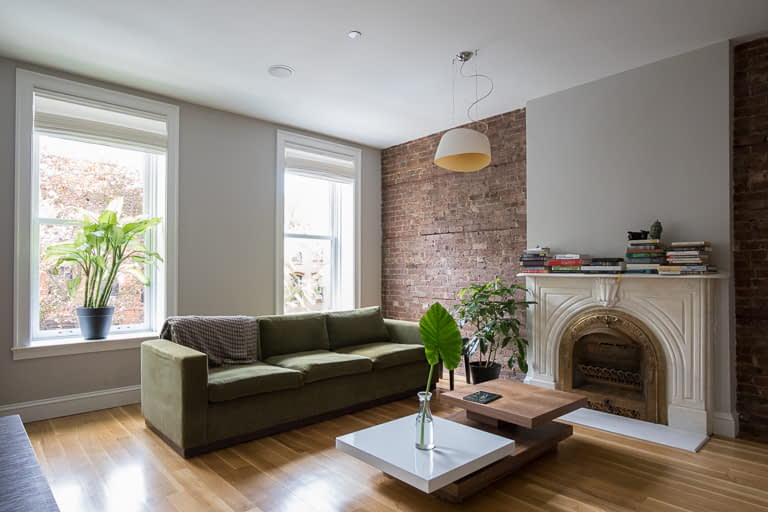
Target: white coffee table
(459,451)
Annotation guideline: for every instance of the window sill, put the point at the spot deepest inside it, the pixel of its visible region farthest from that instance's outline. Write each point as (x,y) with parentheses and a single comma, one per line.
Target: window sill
(53,348)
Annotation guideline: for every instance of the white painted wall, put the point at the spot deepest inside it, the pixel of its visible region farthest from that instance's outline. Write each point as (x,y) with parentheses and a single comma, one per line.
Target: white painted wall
(618,153)
(226,240)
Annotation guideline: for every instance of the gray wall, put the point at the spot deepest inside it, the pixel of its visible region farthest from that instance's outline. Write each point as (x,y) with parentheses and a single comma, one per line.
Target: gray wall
(618,153)
(226,238)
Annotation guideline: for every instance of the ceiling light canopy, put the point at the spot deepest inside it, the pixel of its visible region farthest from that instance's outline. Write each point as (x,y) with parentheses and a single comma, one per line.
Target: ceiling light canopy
(280,71)
(354,34)
(464,149)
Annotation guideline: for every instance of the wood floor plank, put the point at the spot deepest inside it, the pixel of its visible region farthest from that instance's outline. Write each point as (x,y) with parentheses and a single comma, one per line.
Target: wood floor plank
(108,460)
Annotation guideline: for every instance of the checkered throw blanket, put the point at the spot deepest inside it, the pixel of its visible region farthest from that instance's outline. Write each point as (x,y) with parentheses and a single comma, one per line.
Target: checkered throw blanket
(224,339)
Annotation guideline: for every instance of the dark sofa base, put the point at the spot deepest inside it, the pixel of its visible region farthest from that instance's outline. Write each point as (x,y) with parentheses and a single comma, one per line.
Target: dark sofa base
(225,443)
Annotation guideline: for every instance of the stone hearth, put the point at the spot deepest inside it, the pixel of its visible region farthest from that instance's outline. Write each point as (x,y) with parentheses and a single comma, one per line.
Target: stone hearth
(618,328)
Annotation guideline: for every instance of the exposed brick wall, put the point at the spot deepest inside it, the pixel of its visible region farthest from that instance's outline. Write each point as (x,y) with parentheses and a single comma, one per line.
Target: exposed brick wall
(750,216)
(443,230)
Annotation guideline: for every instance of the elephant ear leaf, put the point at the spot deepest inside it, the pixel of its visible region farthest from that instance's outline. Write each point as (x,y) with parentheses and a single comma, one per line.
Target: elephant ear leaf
(441,337)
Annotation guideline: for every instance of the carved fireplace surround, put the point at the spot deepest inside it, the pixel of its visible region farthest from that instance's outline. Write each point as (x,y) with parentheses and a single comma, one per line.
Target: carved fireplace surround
(678,311)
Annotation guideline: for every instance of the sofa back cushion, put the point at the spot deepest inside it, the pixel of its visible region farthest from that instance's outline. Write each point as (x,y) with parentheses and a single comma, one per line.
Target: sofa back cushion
(287,334)
(356,327)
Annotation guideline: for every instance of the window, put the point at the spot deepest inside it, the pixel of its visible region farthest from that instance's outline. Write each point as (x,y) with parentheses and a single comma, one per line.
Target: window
(318,185)
(79,148)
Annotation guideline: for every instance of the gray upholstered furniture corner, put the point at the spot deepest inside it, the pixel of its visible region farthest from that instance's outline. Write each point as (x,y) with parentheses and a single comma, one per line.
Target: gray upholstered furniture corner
(311,367)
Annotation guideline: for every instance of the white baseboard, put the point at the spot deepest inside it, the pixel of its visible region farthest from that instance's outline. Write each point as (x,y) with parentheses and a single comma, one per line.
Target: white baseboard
(66,405)
(724,424)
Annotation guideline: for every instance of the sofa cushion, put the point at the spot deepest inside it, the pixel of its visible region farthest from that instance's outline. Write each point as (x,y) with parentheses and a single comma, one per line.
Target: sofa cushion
(387,355)
(356,327)
(322,364)
(231,382)
(288,334)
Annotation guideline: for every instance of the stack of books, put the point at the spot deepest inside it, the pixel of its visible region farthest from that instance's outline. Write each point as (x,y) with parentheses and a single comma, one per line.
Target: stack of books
(534,261)
(604,266)
(645,256)
(688,258)
(568,263)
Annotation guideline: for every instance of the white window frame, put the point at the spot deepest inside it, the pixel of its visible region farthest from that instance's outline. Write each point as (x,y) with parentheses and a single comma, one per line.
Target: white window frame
(320,146)
(162,301)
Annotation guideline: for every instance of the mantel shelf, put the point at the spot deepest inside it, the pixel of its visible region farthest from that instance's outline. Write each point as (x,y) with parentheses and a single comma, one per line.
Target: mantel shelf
(719,275)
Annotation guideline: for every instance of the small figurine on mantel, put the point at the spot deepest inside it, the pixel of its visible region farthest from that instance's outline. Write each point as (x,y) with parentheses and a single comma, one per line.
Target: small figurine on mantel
(656,229)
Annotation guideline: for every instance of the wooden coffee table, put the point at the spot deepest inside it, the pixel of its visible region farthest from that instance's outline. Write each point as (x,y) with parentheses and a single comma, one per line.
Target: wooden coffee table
(523,413)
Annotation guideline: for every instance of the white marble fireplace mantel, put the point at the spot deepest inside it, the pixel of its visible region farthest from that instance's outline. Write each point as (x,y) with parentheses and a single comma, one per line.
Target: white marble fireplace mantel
(679,310)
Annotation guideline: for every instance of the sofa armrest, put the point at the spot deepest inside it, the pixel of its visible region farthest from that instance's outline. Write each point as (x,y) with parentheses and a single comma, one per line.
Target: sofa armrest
(174,391)
(402,331)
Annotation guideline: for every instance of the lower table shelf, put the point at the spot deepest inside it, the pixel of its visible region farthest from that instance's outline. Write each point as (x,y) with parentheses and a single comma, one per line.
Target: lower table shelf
(530,444)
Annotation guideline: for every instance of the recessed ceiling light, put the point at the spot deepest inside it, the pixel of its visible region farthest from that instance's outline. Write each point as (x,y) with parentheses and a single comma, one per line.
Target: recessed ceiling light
(280,71)
(354,34)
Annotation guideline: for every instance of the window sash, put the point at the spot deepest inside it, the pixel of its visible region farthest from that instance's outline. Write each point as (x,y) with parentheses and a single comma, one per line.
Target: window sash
(335,238)
(151,177)
(350,171)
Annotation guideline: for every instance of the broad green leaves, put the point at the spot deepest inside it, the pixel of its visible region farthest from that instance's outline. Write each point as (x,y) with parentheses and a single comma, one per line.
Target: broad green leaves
(441,337)
(494,313)
(100,249)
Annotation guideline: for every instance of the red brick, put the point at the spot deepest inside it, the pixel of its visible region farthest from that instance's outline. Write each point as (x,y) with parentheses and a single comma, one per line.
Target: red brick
(443,230)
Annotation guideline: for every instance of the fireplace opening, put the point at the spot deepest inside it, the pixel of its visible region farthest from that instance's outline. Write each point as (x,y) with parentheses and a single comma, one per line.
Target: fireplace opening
(612,360)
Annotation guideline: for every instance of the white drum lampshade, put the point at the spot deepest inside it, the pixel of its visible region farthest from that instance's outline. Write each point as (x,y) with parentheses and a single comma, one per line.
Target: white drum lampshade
(463,150)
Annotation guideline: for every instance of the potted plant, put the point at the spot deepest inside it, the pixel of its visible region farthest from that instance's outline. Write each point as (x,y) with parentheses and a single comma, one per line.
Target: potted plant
(442,343)
(492,310)
(103,246)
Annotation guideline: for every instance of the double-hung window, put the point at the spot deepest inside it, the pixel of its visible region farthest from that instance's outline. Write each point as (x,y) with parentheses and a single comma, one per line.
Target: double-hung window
(318,185)
(80,148)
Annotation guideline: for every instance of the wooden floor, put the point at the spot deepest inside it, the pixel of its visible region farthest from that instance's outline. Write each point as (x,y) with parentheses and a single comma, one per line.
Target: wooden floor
(108,461)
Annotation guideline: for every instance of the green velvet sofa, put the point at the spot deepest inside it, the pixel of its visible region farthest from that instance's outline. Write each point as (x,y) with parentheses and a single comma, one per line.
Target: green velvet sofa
(310,367)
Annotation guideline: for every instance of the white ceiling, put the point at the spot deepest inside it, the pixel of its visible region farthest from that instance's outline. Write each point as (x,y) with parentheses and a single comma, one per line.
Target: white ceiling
(389,86)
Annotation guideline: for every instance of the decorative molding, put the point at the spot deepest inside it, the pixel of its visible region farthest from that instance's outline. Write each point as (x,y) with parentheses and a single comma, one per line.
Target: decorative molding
(66,405)
(679,313)
(606,291)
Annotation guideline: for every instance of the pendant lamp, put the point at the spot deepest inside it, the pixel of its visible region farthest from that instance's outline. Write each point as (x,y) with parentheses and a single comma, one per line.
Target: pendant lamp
(464,149)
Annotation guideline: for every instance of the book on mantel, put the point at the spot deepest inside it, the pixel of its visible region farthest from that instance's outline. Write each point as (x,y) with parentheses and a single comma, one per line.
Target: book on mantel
(603,269)
(566,269)
(644,256)
(686,270)
(569,256)
(685,258)
(534,260)
(567,263)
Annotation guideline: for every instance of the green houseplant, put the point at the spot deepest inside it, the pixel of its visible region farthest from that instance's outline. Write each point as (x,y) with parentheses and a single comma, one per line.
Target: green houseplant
(491,310)
(442,342)
(104,246)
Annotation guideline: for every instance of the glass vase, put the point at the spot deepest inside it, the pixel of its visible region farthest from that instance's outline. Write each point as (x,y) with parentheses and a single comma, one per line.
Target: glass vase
(425,428)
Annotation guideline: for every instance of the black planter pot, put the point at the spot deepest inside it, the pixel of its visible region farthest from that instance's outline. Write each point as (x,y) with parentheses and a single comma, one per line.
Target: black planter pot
(95,322)
(481,373)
